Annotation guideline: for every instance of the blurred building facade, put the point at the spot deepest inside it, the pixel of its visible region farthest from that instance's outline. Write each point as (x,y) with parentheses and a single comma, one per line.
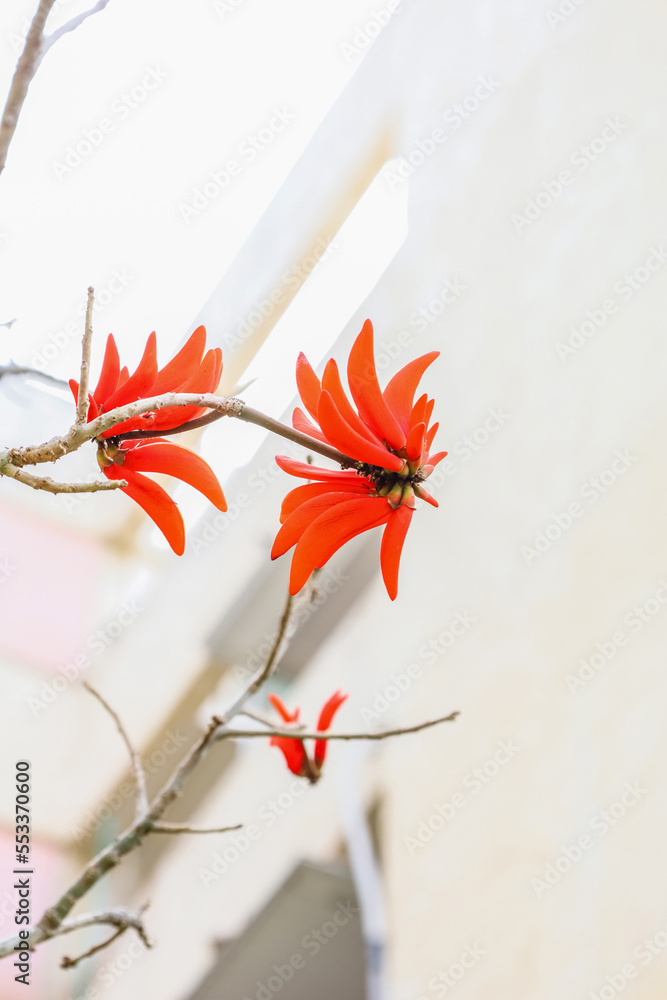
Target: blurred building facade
(519,848)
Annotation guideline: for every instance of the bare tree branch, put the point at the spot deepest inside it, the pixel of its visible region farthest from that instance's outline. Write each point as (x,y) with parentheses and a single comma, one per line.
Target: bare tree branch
(72,24)
(34,50)
(55,918)
(251,416)
(139,775)
(86,344)
(120,919)
(51,486)
(13,369)
(257,718)
(78,434)
(57,447)
(81,430)
(148,817)
(180,828)
(109,857)
(265,671)
(69,963)
(26,68)
(297,733)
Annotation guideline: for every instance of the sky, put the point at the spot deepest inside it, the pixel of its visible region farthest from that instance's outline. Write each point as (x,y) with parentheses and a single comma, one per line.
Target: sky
(125,124)
(152,140)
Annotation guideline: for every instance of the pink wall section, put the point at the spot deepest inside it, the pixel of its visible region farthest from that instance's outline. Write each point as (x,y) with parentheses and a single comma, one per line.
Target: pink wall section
(48,578)
(43,892)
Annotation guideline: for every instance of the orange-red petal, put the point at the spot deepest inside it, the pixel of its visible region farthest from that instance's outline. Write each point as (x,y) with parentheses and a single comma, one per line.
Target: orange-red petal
(295,755)
(326,716)
(343,437)
(282,709)
(173,460)
(425,495)
(308,384)
(302,470)
(139,384)
(418,415)
(415,444)
(393,538)
(432,431)
(205,379)
(400,390)
(300,422)
(366,392)
(109,373)
(183,365)
(300,494)
(155,502)
(433,460)
(330,531)
(303,516)
(333,385)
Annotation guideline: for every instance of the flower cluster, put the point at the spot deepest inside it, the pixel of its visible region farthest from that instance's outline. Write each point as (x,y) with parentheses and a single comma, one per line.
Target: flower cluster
(189,371)
(389,437)
(384,438)
(298,761)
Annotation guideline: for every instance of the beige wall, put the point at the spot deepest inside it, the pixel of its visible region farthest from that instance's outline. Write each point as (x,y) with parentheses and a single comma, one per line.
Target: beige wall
(480,815)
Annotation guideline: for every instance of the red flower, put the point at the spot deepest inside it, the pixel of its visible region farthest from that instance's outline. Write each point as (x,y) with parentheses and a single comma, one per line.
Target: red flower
(188,371)
(388,436)
(297,759)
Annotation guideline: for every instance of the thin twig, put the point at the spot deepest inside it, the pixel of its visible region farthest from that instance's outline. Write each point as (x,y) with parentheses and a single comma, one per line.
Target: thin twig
(51,486)
(110,856)
(265,672)
(86,345)
(26,68)
(78,434)
(52,921)
(296,733)
(258,718)
(139,775)
(35,48)
(116,918)
(13,369)
(268,423)
(180,828)
(72,24)
(251,416)
(69,963)
(148,820)
(191,425)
